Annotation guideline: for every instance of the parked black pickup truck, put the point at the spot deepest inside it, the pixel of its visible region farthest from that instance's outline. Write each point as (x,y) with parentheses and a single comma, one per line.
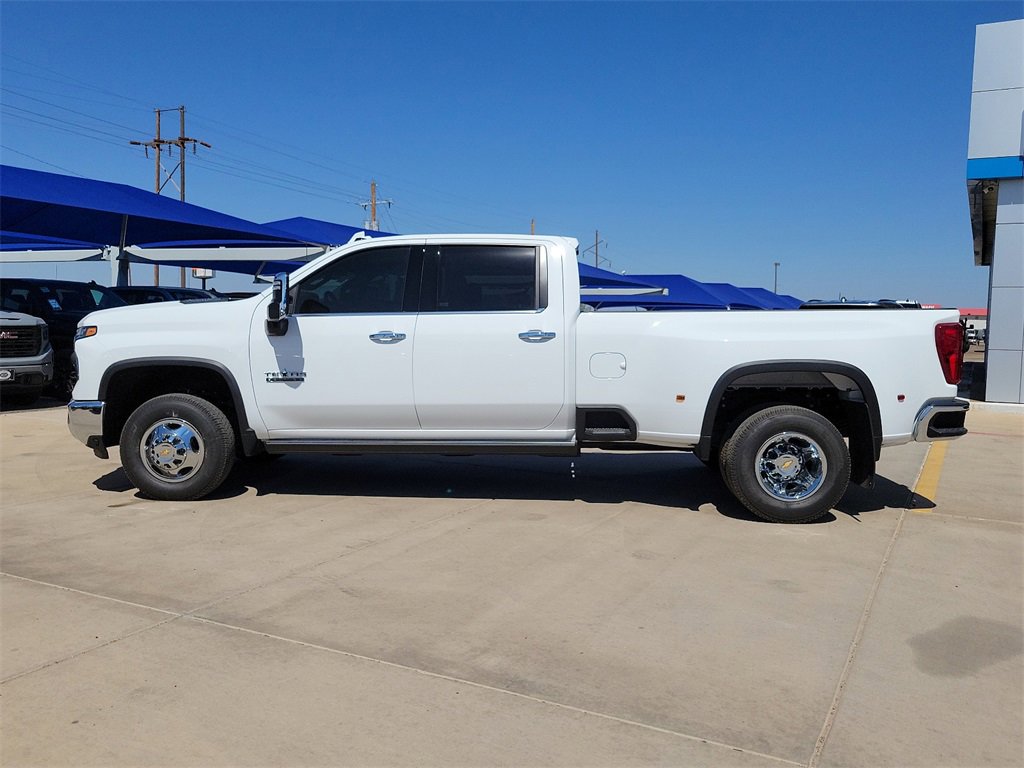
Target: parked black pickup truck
(61,303)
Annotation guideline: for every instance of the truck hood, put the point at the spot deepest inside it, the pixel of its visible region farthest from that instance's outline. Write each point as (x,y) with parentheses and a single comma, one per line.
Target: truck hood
(163,316)
(20,318)
(148,312)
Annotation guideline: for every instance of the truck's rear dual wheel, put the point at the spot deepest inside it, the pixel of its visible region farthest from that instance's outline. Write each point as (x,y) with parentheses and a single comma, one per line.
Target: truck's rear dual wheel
(786,464)
(177,447)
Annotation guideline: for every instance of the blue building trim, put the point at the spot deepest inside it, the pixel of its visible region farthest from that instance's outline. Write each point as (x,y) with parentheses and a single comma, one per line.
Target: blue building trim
(996,168)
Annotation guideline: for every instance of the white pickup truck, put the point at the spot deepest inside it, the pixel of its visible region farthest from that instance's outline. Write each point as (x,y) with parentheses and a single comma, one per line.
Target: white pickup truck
(469,344)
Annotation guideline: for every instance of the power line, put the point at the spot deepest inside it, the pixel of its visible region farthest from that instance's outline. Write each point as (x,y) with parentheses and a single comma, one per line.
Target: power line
(76,81)
(69,122)
(64,129)
(39,160)
(284,180)
(412,213)
(76,97)
(291,177)
(275,145)
(463,201)
(280,174)
(241,173)
(68,109)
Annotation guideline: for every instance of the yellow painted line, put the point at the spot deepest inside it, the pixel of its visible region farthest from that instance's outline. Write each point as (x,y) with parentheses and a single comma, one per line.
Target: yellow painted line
(928,483)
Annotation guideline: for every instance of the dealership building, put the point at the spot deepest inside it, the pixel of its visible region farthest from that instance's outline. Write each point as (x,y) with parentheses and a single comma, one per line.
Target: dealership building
(995,191)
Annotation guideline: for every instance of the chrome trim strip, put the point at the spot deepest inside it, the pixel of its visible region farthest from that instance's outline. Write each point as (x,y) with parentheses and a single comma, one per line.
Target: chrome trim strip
(454,448)
(930,410)
(541,286)
(85,419)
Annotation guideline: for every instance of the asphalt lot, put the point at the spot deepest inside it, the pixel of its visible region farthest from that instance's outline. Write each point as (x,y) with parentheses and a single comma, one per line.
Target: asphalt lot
(612,610)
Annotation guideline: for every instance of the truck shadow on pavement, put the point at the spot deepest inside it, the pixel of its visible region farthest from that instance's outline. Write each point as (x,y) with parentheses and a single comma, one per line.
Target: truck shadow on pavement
(13,404)
(885,495)
(673,480)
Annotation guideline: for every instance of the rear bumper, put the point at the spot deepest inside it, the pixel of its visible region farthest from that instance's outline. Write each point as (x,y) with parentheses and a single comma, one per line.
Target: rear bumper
(85,420)
(941,419)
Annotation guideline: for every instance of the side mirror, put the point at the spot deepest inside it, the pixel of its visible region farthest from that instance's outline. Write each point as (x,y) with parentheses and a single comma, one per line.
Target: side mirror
(277,310)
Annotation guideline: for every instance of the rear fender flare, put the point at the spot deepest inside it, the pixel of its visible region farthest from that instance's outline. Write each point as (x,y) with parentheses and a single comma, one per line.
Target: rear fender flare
(731,376)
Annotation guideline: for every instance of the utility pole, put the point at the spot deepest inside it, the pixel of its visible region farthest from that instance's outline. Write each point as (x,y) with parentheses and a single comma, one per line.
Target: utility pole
(372,205)
(533,228)
(777,263)
(157,144)
(596,249)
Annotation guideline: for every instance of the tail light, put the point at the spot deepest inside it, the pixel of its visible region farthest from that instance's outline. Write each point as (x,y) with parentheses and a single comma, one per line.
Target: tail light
(949,341)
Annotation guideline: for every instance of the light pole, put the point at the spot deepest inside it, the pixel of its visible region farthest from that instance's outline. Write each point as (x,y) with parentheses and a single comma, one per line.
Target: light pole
(777,276)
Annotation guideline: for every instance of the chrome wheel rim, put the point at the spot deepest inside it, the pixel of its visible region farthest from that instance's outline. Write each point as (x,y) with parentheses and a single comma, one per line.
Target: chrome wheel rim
(790,466)
(172,450)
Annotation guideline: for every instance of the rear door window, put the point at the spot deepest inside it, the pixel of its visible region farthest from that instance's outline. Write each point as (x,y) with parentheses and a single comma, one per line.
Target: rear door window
(481,278)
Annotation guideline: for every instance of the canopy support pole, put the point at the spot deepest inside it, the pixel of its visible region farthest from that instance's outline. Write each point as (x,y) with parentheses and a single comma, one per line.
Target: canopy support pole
(124,275)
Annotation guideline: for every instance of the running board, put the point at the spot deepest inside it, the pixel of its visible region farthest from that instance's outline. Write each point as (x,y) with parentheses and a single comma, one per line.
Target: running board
(458,448)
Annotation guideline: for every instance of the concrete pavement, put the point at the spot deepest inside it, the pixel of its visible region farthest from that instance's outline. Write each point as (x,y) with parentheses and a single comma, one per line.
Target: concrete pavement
(613,610)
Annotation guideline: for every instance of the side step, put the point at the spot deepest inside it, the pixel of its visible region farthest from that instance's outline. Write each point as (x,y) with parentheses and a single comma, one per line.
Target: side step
(605,425)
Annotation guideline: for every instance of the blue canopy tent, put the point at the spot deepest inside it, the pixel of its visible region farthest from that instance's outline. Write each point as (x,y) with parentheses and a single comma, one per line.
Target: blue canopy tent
(681,292)
(13,241)
(678,292)
(592,277)
(37,208)
(779,300)
(318,231)
(690,291)
(735,297)
(23,247)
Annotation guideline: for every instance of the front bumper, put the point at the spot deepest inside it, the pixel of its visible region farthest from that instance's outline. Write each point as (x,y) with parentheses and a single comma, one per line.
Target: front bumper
(941,419)
(85,420)
(26,374)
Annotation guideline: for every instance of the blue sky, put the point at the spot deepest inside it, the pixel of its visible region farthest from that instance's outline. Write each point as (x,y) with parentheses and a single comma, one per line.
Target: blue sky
(709,139)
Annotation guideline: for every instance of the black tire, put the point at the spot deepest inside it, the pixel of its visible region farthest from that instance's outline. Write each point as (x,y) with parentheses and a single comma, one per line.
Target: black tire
(724,452)
(62,384)
(787,464)
(177,447)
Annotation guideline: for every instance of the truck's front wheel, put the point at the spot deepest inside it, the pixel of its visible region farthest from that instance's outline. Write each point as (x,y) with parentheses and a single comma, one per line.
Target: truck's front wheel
(177,447)
(787,464)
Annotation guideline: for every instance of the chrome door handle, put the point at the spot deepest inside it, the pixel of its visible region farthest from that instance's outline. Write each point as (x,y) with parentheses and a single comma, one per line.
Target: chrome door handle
(387,337)
(537,336)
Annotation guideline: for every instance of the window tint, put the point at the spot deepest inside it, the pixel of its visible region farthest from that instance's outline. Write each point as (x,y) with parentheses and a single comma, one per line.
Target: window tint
(18,300)
(486,278)
(366,281)
(44,298)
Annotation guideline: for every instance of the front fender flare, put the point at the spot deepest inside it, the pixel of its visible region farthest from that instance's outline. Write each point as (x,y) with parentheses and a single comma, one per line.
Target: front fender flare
(250,443)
